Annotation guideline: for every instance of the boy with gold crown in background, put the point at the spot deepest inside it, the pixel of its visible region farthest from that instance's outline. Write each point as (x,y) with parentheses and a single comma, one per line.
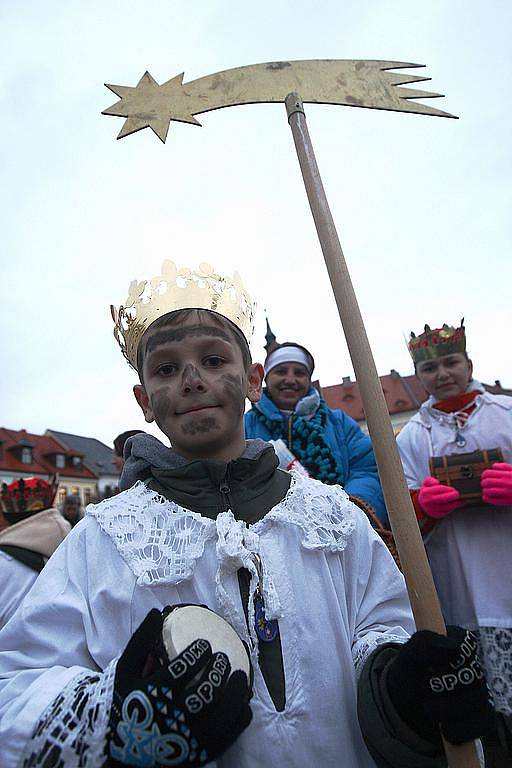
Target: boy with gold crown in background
(468,542)
(290,563)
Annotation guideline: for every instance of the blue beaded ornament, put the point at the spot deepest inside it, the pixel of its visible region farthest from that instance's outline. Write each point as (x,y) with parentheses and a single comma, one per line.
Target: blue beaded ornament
(265,630)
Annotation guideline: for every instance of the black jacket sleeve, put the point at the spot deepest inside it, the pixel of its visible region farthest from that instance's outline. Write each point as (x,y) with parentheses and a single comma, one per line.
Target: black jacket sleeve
(390,742)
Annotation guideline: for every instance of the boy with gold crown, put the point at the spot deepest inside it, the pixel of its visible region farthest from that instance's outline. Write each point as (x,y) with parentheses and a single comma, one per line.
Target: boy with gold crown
(290,563)
(468,541)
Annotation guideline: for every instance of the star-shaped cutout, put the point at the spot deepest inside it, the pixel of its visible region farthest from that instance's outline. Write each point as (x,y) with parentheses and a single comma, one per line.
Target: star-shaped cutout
(150,105)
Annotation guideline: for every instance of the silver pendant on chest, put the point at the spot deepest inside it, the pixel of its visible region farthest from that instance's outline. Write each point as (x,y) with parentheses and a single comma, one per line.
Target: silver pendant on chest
(460,440)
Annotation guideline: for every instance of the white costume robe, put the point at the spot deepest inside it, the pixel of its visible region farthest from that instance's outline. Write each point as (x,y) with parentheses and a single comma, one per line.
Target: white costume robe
(16,579)
(41,533)
(470,550)
(327,577)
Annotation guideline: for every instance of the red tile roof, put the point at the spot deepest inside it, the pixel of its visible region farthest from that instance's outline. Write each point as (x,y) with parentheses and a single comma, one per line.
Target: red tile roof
(402,393)
(44,447)
(497,389)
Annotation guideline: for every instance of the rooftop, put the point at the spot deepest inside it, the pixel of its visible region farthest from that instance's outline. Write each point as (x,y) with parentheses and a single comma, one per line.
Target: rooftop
(97,456)
(402,394)
(42,447)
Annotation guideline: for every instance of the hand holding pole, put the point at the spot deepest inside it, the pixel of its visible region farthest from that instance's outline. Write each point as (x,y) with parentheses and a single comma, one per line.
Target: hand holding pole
(418,577)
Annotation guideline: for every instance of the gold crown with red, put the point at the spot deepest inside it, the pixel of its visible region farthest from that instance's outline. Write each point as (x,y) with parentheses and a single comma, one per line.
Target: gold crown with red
(437,342)
(176,289)
(27,496)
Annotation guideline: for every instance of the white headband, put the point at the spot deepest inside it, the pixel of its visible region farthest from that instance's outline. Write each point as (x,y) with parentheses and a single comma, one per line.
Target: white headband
(287,355)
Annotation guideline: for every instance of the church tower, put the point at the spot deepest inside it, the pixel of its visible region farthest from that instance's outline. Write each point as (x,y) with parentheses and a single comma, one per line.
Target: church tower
(270,338)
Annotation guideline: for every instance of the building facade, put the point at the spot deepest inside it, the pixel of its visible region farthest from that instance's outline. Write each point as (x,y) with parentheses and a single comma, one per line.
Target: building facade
(25,454)
(97,456)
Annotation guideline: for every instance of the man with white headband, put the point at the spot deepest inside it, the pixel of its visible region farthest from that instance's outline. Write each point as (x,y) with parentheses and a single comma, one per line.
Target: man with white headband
(328,443)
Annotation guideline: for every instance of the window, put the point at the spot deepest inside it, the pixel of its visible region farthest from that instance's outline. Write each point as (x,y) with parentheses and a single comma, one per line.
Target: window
(77,462)
(60,461)
(26,455)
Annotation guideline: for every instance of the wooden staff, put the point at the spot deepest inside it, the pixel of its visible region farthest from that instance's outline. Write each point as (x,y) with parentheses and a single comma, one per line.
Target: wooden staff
(418,577)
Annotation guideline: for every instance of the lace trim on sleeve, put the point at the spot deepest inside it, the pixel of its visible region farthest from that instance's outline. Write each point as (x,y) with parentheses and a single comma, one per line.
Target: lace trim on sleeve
(496,652)
(159,540)
(324,514)
(71,732)
(366,645)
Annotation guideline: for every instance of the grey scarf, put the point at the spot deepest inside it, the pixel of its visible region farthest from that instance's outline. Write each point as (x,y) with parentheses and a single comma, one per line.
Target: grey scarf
(143,451)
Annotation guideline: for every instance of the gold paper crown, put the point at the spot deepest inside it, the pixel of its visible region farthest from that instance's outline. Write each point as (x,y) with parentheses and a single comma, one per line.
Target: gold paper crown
(180,289)
(437,342)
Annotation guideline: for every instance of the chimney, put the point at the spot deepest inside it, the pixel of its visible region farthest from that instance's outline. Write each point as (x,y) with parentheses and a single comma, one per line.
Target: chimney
(346,380)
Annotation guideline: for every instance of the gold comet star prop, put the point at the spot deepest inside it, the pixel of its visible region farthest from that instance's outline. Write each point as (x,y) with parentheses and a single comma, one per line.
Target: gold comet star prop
(347,82)
(354,83)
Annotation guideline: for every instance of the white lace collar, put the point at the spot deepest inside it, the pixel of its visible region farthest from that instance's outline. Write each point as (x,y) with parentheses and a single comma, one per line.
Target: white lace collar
(161,541)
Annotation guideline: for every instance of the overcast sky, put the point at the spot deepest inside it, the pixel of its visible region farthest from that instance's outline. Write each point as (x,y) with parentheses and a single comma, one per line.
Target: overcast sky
(422,204)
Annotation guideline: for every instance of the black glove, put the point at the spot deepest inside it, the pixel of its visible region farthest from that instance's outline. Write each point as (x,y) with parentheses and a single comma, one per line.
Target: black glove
(436,681)
(186,714)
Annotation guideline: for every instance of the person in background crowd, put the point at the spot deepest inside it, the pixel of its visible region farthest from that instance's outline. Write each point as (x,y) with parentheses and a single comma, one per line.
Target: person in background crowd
(71,509)
(328,443)
(33,532)
(118,459)
(469,543)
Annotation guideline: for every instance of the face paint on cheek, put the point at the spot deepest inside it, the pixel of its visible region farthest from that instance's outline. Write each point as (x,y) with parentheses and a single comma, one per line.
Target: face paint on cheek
(234,389)
(207,424)
(160,404)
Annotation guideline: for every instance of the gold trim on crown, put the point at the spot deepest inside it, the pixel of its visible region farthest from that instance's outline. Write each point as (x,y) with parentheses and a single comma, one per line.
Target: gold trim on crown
(437,342)
(177,289)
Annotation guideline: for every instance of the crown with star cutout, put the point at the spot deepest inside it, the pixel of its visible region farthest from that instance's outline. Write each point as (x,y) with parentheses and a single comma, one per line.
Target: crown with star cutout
(437,342)
(176,289)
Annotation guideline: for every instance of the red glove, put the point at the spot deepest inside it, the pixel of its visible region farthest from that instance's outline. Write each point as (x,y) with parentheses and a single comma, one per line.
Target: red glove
(437,500)
(497,484)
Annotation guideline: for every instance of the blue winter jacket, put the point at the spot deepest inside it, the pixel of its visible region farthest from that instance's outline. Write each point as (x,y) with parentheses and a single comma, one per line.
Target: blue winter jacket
(351,448)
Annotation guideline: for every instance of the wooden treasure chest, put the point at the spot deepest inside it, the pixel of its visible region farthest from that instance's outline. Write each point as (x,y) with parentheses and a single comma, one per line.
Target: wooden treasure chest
(464,470)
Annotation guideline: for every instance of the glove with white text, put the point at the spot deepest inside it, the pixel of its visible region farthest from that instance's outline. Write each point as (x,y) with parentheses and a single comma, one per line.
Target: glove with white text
(185,714)
(437,682)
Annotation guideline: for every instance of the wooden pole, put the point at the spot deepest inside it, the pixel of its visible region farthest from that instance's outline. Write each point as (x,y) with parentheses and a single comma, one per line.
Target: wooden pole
(418,577)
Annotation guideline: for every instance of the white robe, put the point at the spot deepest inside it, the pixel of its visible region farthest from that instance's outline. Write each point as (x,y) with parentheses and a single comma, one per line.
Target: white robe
(15,581)
(327,577)
(470,550)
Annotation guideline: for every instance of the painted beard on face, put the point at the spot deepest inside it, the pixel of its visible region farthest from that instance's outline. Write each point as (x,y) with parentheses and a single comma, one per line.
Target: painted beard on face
(195,385)
(199,414)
